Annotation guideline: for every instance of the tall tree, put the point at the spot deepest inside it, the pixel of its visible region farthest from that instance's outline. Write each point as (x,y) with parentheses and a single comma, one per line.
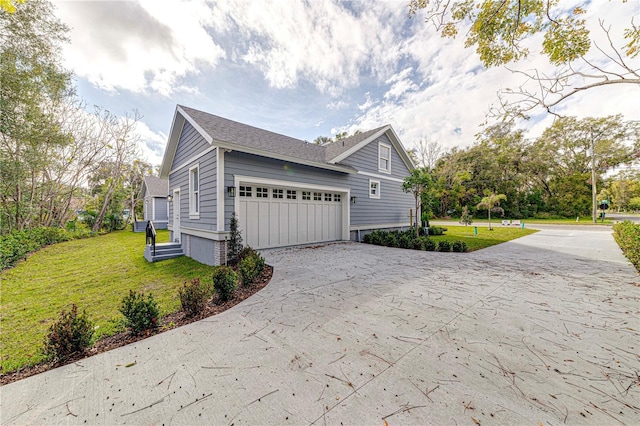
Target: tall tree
(122,145)
(490,202)
(580,150)
(502,31)
(33,83)
(427,152)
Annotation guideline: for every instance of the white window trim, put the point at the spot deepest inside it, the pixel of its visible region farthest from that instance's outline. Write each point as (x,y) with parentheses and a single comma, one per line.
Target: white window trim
(380,146)
(194,213)
(377,195)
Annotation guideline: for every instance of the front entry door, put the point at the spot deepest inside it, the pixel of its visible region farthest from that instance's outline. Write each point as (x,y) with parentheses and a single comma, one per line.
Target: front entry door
(176,216)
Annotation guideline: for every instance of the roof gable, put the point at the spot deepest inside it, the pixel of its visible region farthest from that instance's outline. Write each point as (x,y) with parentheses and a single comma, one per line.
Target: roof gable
(154,187)
(347,147)
(229,134)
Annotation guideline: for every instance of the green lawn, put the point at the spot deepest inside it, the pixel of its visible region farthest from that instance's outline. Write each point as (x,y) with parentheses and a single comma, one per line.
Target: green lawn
(583,220)
(485,237)
(95,274)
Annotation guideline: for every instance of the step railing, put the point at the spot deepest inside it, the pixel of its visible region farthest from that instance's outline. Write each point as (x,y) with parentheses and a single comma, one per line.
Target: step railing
(151,236)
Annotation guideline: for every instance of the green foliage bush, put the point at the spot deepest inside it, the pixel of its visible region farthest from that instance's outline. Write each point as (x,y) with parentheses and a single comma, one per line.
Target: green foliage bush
(627,235)
(225,281)
(141,313)
(17,245)
(250,267)
(235,239)
(407,239)
(459,246)
(246,252)
(71,334)
(437,230)
(429,244)
(443,246)
(389,240)
(193,297)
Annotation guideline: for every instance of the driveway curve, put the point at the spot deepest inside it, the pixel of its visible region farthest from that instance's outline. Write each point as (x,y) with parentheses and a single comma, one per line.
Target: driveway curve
(540,330)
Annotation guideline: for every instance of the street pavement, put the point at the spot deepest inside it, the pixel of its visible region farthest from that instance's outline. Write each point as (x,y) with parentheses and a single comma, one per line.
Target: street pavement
(544,329)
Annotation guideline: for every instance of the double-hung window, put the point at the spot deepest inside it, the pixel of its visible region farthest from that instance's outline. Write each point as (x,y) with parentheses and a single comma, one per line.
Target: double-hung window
(194,192)
(384,158)
(374,188)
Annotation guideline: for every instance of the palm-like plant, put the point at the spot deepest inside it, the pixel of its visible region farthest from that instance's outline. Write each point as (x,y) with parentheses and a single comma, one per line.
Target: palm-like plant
(489,202)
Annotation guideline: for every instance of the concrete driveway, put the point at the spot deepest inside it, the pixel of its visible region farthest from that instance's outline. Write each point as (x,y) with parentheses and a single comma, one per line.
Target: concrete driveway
(541,330)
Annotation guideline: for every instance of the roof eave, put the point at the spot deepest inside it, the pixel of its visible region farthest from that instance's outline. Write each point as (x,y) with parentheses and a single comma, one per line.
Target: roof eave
(247,150)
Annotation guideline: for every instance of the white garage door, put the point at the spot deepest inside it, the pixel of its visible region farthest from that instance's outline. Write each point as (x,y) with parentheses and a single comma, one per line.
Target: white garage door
(279,216)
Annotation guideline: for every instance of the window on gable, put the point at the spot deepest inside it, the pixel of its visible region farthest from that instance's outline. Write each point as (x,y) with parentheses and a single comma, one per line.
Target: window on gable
(374,189)
(245,191)
(277,193)
(384,158)
(262,193)
(194,191)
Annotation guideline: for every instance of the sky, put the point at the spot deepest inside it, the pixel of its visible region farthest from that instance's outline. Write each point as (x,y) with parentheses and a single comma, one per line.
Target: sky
(307,68)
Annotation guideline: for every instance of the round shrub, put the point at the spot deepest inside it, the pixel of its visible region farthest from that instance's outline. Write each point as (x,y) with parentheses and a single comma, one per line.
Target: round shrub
(405,241)
(251,267)
(444,246)
(225,282)
(389,240)
(140,313)
(71,334)
(459,246)
(246,251)
(193,297)
(437,230)
(429,244)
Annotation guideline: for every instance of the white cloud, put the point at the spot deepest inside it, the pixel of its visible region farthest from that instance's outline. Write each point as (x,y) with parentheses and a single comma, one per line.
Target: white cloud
(138,47)
(363,63)
(152,144)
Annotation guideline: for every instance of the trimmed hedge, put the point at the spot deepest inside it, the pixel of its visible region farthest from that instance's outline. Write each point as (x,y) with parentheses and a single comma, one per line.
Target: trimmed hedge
(627,235)
(408,240)
(17,245)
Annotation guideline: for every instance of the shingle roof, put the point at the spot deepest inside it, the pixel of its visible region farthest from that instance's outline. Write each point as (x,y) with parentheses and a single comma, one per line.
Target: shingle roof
(222,129)
(156,187)
(229,134)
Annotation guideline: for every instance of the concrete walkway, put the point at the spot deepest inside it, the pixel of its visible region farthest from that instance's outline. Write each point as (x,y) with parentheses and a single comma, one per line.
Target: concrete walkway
(542,330)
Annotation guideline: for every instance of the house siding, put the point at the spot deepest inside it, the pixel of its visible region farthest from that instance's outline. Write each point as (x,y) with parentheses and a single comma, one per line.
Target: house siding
(393,205)
(180,179)
(268,168)
(366,160)
(160,211)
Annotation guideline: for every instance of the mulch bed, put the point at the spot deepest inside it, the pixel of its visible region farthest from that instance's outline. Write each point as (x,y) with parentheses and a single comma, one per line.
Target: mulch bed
(171,321)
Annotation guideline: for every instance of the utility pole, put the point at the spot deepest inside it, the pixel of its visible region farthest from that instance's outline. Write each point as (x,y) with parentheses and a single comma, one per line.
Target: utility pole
(594,207)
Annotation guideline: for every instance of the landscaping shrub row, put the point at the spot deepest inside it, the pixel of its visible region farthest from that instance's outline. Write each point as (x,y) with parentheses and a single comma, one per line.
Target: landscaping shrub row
(627,235)
(72,333)
(408,240)
(17,245)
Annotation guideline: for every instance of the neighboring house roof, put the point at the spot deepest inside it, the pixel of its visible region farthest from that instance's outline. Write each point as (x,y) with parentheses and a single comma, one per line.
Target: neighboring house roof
(154,187)
(229,134)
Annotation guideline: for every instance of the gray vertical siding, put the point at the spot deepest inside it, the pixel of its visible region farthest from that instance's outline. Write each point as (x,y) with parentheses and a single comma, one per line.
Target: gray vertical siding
(160,208)
(180,178)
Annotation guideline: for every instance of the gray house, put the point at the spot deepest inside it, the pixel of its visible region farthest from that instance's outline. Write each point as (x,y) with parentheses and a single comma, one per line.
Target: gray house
(154,192)
(284,191)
